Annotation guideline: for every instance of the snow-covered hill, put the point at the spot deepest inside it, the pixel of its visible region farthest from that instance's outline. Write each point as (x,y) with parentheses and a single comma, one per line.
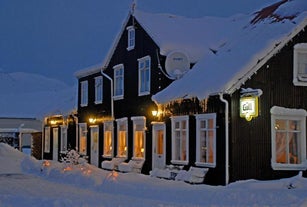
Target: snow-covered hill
(31,95)
(29,182)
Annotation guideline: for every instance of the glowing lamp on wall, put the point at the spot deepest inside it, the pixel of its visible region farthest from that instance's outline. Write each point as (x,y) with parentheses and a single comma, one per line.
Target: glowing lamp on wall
(249,107)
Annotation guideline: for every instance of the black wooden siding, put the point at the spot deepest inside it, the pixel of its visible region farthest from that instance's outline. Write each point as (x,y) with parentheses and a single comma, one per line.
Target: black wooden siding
(251,141)
(132,104)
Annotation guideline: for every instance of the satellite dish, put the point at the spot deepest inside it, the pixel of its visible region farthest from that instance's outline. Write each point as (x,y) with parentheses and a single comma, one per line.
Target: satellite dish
(177,64)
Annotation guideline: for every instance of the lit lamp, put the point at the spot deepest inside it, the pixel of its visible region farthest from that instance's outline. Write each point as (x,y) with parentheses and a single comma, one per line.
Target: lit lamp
(92,120)
(154,113)
(249,107)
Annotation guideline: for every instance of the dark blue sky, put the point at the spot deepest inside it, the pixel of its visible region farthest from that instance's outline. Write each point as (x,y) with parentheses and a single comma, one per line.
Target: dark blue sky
(56,38)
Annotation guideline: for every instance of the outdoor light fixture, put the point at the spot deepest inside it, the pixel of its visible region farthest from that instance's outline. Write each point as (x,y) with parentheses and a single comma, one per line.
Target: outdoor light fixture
(249,107)
(249,103)
(92,120)
(154,113)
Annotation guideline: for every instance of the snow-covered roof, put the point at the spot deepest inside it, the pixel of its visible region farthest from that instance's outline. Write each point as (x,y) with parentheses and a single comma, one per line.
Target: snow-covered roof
(254,40)
(193,36)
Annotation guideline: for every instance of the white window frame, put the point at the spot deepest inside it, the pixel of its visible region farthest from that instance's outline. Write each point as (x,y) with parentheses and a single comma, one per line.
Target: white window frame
(199,118)
(47,140)
(139,122)
(300,58)
(131,38)
(122,122)
(84,93)
(64,147)
(280,113)
(181,130)
(144,72)
(98,90)
(108,126)
(118,81)
(83,135)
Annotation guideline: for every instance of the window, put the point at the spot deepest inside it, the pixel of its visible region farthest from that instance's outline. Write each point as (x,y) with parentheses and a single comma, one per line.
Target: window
(139,137)
(288,128)
(84,93)
(83,138)
(144,75)
(108,139)
(122,137)
(47,140)
(63,139)
(180,140)
(300,64)
(131,37)
(98,90)
(205,140)
(118,81)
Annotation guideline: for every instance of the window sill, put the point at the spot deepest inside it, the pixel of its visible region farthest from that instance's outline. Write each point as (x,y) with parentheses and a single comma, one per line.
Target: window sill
(144,93)
(130,48)
(138,158)
(277,166)
(298,82)
(118,97)
(107,156)
(179,162)
(83,105)
(98,102)
(202,164)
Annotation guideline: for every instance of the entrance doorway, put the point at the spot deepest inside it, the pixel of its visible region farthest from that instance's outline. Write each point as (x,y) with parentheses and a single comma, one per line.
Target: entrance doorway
(158,147)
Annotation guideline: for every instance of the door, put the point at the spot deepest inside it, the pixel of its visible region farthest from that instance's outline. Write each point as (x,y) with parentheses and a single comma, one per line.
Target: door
(94,145)
(158,157)
(55,152)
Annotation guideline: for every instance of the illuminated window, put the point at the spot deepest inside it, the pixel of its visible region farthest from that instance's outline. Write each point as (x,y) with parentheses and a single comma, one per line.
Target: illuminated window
(63,139)
(180,140)
(47,140)
(300,64)
(205,139)
(83,138)
(144,75)
(131,37)
(288,128)
(98,90)
(122,137)
(84,93)
(108,139)
(139,137)
(118,81)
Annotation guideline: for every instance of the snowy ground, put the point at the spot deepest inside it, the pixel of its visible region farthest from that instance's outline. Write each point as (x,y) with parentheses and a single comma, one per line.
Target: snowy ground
(28,182)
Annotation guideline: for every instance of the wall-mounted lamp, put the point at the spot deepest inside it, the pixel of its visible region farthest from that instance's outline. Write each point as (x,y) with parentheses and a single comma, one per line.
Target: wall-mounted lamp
(249,107)
(92,120)
(154,113)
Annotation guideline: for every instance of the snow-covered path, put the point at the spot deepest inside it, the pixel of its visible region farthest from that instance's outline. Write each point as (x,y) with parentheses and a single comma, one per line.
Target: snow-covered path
(27,182)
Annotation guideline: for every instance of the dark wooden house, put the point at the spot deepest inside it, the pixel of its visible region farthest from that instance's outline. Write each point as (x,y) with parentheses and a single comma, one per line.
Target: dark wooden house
(246,103)
(173,96)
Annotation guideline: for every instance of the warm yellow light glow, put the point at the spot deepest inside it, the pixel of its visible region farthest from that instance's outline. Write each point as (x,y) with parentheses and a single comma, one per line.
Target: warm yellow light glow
(46,163)
(92,120)
(142,150)
(53,122)
(125,148)
(154,113)
(249,107)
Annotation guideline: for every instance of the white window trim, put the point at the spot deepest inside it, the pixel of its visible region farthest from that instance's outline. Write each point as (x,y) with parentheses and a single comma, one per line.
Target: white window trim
(97,101)
(289,114)
(129,30)
(84,93)
(139,120)
(64,147)
(297,80)
(144,59)
(83,129)
(116,67)
(200,117)
(112,139)
(118,122)
(175,119)
(47,140)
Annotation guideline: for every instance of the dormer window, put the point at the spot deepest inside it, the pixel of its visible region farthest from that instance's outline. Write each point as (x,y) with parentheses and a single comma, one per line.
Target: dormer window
(131,37)
(300,64)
